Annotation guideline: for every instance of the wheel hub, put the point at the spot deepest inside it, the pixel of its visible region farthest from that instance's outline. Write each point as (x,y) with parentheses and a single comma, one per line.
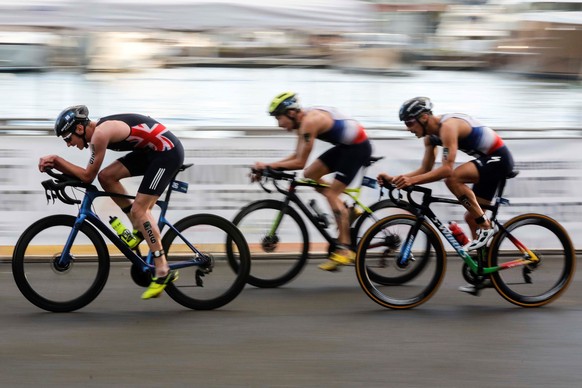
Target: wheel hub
(62,267)
(269,243)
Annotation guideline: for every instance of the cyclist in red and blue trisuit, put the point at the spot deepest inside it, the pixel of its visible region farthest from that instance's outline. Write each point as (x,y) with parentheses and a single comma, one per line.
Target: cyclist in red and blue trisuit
(493,161)
(155,153)
(351,151)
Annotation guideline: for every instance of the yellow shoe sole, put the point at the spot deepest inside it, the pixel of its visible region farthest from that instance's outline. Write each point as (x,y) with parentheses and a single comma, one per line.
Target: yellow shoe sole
(343,260)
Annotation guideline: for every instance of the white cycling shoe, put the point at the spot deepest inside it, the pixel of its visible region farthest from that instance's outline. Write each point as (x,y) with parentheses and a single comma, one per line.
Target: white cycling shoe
(483,237)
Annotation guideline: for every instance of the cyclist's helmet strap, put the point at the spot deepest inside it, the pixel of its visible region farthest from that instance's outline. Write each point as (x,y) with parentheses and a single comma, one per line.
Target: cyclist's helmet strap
(414,107)
(282,103)
(69,118)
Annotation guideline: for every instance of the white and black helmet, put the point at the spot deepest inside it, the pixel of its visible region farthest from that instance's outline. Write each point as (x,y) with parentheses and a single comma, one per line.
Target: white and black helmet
(69,118)
(414,107)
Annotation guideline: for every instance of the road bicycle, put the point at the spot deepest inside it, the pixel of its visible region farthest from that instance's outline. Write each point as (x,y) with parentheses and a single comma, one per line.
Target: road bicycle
(530,261)
(61,262)
(277,234)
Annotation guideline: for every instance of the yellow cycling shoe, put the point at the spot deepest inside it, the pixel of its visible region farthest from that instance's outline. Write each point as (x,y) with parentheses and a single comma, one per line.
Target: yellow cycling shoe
(329,265)
(158,285)
(336,260)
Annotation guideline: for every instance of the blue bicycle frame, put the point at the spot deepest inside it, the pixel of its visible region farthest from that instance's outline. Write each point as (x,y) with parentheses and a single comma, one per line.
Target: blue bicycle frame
(147,264)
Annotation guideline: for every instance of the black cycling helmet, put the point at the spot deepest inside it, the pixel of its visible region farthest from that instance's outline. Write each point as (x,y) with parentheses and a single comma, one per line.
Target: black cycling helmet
(282,103)
(414,107)
(69,118)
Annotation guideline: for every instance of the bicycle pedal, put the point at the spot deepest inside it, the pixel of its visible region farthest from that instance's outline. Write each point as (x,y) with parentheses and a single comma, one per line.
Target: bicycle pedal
(471,289)
(199,275)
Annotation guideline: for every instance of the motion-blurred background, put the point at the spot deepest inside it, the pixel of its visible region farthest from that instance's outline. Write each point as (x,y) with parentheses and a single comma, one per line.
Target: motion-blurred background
(208,69)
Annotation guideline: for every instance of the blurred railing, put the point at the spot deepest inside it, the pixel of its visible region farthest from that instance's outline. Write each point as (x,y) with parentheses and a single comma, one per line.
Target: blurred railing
(43,127)
(550,164)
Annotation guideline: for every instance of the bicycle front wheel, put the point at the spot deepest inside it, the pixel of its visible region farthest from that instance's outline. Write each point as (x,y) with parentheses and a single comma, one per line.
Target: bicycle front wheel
(217,283)
(48,281)
(381,210)
(278,242)
(379,254)
(539,283)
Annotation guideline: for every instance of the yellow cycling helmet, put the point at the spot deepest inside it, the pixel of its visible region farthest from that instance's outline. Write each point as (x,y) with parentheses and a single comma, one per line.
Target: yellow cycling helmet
(283,102)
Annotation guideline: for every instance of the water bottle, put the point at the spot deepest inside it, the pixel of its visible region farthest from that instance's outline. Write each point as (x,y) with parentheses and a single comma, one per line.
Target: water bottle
(319,215)
(458,233)
(124,234)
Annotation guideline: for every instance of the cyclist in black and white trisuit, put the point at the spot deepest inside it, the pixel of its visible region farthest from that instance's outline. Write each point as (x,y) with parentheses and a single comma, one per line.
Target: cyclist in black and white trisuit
(155,153)
(352,150)
(493,161)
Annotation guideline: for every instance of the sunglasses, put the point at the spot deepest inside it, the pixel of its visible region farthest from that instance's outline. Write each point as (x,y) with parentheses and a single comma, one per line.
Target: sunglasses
(68,138)
(410,123)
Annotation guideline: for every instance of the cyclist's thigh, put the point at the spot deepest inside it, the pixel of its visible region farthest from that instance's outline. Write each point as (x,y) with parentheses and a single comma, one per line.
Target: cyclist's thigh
(316,170)
(115,171)
(161,168)
(136,162)
(467,173)
(492,170)
(351,159)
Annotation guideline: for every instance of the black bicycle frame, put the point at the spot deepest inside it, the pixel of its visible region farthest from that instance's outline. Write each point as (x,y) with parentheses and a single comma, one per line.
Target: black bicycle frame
(422,211)
(291,196)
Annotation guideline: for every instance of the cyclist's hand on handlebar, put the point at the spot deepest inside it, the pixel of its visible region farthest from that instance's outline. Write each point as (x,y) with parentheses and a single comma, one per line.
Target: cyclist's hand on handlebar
(255,175)
(384,179)
(47,162)
(402,181)
(256,171)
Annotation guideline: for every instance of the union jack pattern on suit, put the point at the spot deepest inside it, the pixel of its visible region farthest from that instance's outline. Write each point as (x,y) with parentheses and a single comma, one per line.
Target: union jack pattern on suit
(145,137)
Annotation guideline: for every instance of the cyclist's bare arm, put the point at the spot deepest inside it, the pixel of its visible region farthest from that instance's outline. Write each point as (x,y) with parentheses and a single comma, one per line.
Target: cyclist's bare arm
(313,123)
(408,179)
(89,173)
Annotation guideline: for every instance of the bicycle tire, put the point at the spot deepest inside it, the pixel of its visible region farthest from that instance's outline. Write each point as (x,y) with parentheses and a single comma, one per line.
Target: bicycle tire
(376,208)
(275,263)
(549,278)
(45,285)
(222,283)
(417,289)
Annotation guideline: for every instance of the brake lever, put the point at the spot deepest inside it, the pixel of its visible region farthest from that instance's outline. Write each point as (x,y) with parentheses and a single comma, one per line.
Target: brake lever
(262,184)
(48,191)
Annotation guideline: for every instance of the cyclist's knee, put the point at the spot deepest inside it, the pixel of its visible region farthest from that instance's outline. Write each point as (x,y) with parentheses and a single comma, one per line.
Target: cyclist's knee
(451,182)
(105,178)
(138,211)
(310,174)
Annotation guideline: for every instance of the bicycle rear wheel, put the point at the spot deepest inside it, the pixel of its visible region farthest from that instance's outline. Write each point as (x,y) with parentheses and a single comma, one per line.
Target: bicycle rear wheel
(278,256)
(535,284)
(48,282)
(218,283)
(380,209)
(379,251)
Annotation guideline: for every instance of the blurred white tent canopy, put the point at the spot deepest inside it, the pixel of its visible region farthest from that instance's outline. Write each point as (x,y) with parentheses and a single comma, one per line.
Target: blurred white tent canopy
(315,15)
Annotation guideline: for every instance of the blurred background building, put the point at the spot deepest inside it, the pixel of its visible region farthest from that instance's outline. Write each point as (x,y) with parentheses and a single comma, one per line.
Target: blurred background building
(525,36)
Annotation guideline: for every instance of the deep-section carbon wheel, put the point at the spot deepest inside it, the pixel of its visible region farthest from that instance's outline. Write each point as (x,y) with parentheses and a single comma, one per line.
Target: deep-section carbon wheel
(52,282)
(216,282)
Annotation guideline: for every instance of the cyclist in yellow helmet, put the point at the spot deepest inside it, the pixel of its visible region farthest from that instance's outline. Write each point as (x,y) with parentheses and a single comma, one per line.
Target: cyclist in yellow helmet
(351,150)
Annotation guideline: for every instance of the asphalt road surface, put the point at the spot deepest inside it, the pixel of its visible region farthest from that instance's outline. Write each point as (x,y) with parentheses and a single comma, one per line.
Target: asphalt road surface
(321,330)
